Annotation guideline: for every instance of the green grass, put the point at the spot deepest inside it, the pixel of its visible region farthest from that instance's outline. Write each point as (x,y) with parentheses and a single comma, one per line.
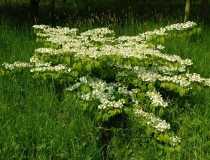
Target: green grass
(36,124)
(195,121)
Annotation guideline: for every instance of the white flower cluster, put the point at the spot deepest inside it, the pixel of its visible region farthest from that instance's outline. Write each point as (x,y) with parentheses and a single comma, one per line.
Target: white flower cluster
(207,82)
(39,63)
(101,91)
(197,78)
(163,31)
(180,26)
(104,93)
(50,51)
(125,46)
(194,77)
(17,65)
(153,121)
(98,32)
(73,87)
(40,27)
(156,99)
(177,79)
(160,47)
(48,31)
(146,35)
(41,66)
(58,68)
(152,76)
(175,140)
(111,104)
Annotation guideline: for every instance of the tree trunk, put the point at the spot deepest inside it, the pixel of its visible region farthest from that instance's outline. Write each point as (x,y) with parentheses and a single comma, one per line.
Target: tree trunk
(187,10)
(53,13)
(205,9)
(34,9)
(64,1)
(5,2)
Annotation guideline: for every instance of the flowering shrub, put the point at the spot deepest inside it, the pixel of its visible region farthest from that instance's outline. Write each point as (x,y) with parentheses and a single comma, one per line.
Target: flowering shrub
(126,75)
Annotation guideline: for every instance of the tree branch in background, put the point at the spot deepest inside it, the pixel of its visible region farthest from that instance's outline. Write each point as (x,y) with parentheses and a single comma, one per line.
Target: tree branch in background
(187,10)
(34,9)
(53,13)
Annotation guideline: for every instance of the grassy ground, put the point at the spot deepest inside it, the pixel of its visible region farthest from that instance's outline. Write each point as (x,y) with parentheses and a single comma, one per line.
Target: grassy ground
(195,120)
(35,124)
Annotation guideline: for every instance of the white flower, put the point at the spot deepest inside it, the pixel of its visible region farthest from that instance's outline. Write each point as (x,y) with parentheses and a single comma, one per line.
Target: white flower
(152,120)
(156,99)
(160,47)
(175,140)
(101,106)
(18,65)
(73,87)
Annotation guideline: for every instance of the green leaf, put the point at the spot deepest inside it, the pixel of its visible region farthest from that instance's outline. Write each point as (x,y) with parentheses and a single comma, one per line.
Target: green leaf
(171,86)
(162,40)
(67,60)
(151,106)
(79,66)
(37,40)
(163,85)
(178,148)
(161,112)
(198,30)
(146,64)
(105,117)
(181,92)
(171,149)
(84,106)
(154,37)
(176,88)
(85,88)
(148,130)
(150,38)
(166,138)
(97,64)
(141,96)
(112,113)
(144,88)
(128,111)
(149,45)
(70,79)
(99,116)
(160,137)
(150,86)
(1,72)
(167,85)
(75,74)
(135,81)
(198,88)
(157,40)
(88,67)
(190,33)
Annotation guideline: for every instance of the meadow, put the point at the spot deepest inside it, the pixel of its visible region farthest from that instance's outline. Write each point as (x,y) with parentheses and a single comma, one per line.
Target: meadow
(38,123)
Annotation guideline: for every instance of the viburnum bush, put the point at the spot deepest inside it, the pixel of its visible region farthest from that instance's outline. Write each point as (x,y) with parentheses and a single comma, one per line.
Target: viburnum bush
(112,76)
